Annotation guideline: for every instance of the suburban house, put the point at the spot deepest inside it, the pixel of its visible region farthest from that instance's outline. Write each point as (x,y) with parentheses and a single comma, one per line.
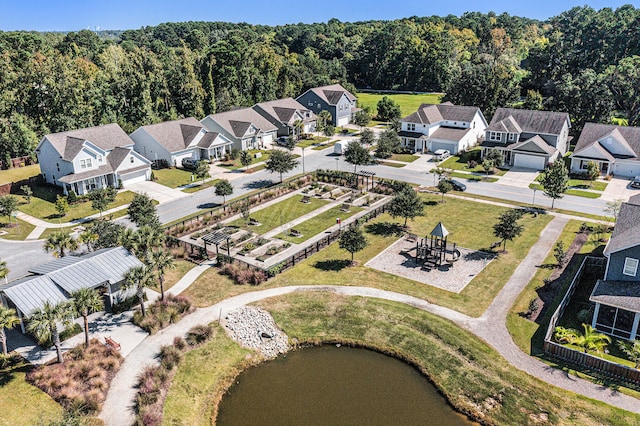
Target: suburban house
(528,139)
(175,140)
(54,282)
(615,149)
(617,296)
(446,126)
(285,114)
(245,128)
(333,98)
(91,158)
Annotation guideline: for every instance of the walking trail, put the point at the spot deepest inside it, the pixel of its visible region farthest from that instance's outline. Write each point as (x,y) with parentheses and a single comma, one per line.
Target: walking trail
(491,327)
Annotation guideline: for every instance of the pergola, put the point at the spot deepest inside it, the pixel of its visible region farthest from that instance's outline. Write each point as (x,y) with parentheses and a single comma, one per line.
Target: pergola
(364,174)
(218,237)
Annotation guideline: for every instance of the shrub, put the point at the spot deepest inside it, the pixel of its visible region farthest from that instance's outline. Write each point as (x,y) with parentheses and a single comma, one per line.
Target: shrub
(199,334)
(162,313)
(170,356)
(179,343)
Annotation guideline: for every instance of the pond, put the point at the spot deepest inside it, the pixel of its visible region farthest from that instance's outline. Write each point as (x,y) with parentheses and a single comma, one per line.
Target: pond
(335,385)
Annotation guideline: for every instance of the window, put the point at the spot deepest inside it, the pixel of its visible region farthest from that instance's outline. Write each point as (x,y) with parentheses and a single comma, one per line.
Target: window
(495,136)
(131,159)
(58,166)
(630,266)
(411,126)
(85,163)
(99,158)
(512,137)
(88,162)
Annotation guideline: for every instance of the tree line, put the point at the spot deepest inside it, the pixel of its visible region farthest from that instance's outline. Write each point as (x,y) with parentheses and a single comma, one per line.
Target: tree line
(583,61)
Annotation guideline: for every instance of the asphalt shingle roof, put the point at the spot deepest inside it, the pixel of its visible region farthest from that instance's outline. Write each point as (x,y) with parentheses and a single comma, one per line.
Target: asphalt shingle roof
(547,122)
(434,113)
(626,233)
(592,133)
(236,122)
(332,93)
(105,137)
(620,294)
(175,135)
(449,133)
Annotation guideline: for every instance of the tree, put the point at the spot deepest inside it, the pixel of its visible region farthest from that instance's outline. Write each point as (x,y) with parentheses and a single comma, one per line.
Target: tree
(223,189)
(142,211)
(86,301)
(630,349)
(487,165)
(298,125)
(202,170)
(356,154)
(8,205)
(555,180)
(388,143)
(139,278)
(560,253)
(88,238)
(590,339)
(353,240)
(533,100)
(406,204)
(62,205)
(280,162)
(388,109)
(245,210)
(290,143)
(44,323)
(101,198)
(495,156)
(245,159)
(160,261)
(508,227)
(444,186)
(108,234)
(28,193)
(59,242)
(362,118)
(367,137)
(142,241)
(323,119)
(329,130)
(4,270)
(613,208)
(593,171)
(8,320)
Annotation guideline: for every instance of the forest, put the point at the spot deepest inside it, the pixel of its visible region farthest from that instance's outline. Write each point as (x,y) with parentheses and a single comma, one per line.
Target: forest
(584,61)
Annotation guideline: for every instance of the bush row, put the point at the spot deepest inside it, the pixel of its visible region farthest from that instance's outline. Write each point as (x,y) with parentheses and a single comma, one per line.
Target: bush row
(162,313)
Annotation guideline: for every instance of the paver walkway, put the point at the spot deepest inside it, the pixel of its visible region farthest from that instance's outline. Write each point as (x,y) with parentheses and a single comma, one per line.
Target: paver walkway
(118,407)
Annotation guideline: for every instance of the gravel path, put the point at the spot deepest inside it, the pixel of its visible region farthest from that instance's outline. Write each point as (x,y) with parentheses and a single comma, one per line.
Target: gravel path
(118,407)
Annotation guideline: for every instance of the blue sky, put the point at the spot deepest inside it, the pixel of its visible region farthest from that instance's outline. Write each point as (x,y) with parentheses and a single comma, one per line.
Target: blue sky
(74,15)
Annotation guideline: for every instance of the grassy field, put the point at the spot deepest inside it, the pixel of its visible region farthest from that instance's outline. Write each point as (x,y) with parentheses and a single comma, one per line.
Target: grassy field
(306,143)
(390,164)
(471,375)
(469,225)
(235,164)
(408,103)
(19,173)
(173,177)
(317,224)
(173,275)
(405,158)
(15,233)
(576,192)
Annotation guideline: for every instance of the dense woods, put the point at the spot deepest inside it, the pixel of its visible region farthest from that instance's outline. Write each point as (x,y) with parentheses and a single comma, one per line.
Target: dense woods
(583,61)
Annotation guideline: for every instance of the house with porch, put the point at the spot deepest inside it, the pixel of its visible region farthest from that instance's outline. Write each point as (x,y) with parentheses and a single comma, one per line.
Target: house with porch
(528,139)
(172,141)
(55,281)
(286,114)
(617,295)
(333,98)
(447,126)
(615,149)
(245,128)
(96,157)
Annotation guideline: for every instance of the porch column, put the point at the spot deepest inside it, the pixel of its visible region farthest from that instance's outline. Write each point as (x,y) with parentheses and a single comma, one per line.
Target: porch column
(595,315)
(110,296)
(21,321)
(634,328)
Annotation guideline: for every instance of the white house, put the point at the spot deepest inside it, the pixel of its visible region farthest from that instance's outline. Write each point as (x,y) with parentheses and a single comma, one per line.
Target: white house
(444,126)
(96,157)
(615,149)
(284,113)
(172,141)
(244,127)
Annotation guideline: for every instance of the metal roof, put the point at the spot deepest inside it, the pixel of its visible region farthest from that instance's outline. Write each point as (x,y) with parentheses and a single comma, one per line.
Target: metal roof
(30,293)
(80,275)
(55,265)
(439,231)
(114,262)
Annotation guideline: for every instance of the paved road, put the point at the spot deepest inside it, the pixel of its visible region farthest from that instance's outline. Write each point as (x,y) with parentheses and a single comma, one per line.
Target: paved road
(22,255)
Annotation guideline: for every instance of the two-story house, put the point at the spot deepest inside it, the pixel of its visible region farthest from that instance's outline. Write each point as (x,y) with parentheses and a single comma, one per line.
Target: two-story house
(528,139)
(96,157)
(615,149)
(445,126)
(617,296)
(175,140)
(333,98)
(286,114)
(245,128)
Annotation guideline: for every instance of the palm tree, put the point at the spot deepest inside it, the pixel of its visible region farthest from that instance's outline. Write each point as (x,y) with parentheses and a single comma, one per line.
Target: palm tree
(590,340)
(142,241)
(8,319)
(139,277)
(4,271)
(86,301)
(88,238)
(44,323)
(297,128)
(160,260)
(58,242)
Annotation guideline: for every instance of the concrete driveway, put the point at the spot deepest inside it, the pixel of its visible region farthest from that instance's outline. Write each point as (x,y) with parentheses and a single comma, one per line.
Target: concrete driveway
(161,193)
(619,188)
(519,177)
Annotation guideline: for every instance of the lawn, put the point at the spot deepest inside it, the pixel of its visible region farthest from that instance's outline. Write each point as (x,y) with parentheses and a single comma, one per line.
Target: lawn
(318,224)
(16,233)
(459,162)
(390,164)
(406,158)
(471,375)
(408,103)
(470,226)
(18,174)
(235,164)
(173,275)
(596,185)
(306,143)
(173,177)
(473,177)
(200,186)
(576,192)
(43,205)
(324,145)
(280,213)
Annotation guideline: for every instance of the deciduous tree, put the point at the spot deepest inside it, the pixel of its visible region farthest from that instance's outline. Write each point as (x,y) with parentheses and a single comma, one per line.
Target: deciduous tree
(508,227)
(202,170)
(356,154)
(280,162)
(142,211)
(555,181)
(388,109)
(406,204)
(353,240)
(224,189)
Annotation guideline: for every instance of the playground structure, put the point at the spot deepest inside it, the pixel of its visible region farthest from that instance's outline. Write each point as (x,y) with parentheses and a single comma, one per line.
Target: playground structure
(433,251)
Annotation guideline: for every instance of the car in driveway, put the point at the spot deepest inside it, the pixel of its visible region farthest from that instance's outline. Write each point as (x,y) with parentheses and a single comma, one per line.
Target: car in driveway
(457,185)
(441,154)
(189,163)
(635,183)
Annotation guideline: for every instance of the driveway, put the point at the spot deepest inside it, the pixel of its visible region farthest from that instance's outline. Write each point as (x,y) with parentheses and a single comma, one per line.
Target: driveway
(519,177)
(161,193)
(619,188)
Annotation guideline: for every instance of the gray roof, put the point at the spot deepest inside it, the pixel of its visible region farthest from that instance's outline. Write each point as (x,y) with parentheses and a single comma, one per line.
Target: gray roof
(175,135)
(619,294)
(77,177)
(626,233)
(434,113)
(114,262)
(592,133)
(79,275)
(237,122)
(439,231)
(547,122)
(117,156)
(449,133)
(30,293)
(535,142)
(105,137)
(332,93)
(408,134)
(284,110)
(508,125)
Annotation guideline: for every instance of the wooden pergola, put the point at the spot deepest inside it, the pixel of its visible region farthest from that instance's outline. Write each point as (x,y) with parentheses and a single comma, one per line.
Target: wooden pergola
(218,237)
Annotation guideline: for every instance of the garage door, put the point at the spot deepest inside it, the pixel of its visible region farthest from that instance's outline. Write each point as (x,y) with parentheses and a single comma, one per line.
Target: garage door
(627,169)
(529,162)
(267,139)
(343,121)
(443,145)
(135,177)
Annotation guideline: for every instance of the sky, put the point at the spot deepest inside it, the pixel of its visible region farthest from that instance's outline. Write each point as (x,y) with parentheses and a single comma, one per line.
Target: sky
(75,15)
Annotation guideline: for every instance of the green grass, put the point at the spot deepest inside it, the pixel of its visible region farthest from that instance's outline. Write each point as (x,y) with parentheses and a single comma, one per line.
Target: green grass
(305,143)
(235,164)
(280,213)
(576,192)
(474,177)
(390,164)
(459,162)
(15,233)
(408,103)
(319,223)
(172,177)
(200,186)
(406,158)
(596,185)
(324,145)
(173,275)
(66,229)
(19,173)
(43,205)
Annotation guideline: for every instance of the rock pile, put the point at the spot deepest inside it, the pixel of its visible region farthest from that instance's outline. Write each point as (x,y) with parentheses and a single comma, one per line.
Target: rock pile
(255,328)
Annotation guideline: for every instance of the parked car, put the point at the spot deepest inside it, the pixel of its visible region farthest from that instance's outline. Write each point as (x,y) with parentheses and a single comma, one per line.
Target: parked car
(189,163)
(635,183)
(441,154)
(283,140)
(457,185)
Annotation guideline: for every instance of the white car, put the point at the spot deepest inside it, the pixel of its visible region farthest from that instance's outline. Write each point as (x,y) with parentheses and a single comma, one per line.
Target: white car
(635,183)
(441,154)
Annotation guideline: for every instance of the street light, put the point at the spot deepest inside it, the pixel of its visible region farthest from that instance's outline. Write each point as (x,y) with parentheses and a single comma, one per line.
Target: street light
(534,198)
(303,160)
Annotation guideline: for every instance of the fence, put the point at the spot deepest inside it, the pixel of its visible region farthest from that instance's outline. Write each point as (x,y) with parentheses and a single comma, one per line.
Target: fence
(581,359)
